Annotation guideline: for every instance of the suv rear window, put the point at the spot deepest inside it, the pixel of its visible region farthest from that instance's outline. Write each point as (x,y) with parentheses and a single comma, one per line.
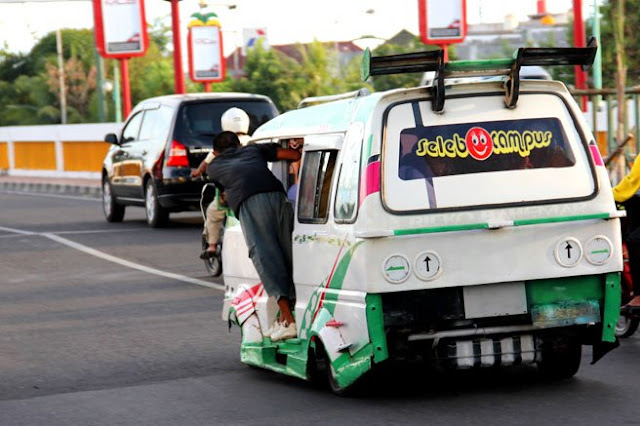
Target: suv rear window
(199,122)
(481,154)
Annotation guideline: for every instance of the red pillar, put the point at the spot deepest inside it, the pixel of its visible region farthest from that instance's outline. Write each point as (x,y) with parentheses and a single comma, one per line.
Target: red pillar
(207,86)
(542,7)
(445,47)
(579,40)
(179,86)
(126,89)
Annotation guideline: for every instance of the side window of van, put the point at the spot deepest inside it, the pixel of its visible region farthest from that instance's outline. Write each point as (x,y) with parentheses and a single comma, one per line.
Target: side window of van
(131,130)
(315,185)
(346,205)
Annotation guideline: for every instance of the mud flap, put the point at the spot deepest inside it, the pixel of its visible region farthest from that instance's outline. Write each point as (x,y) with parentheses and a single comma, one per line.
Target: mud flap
(600,349)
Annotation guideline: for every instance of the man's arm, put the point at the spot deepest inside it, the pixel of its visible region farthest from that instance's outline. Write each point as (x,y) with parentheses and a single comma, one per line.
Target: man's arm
(288,154)
(200,170)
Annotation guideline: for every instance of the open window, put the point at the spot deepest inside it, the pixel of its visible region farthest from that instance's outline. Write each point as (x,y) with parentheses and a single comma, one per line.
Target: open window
(315,185)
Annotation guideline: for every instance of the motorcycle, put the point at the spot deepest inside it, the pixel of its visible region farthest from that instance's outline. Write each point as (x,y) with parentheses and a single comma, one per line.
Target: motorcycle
(629,316)
(213,263)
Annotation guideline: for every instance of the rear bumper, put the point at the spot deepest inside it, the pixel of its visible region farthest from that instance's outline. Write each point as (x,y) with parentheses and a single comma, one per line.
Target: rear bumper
(180,202)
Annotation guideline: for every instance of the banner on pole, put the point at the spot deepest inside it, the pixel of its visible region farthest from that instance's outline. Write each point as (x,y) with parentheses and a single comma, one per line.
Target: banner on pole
(442,21)
(121,30)
(204,43)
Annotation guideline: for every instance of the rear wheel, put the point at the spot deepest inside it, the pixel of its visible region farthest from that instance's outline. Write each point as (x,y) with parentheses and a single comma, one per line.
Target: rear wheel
(625,327)
(113,211)
(322,371)
(560,358)
(157,216)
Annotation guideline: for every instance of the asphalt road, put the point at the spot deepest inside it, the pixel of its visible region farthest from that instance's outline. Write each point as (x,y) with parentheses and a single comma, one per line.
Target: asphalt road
(117,324)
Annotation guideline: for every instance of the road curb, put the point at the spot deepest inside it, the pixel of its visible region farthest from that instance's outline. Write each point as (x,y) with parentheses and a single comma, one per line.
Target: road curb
(88,191)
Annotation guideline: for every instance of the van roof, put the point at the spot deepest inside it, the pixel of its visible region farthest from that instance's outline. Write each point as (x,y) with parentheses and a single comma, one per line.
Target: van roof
(331,117)
(335,117)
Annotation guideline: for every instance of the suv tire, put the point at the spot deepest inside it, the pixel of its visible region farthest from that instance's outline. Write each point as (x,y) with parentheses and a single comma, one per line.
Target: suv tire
(113,211)
(157,216)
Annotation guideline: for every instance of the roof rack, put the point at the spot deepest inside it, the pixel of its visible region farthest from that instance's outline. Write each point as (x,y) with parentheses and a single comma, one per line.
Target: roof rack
(433,60)
(314,100)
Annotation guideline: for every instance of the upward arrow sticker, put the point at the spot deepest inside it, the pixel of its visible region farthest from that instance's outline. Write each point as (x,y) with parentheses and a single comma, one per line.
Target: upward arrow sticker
(568,252)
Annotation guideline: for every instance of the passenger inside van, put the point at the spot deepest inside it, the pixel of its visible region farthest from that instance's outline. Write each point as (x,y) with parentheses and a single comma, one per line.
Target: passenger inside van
(294,172)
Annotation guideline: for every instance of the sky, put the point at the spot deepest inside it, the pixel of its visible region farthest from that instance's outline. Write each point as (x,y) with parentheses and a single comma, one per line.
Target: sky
(286,21)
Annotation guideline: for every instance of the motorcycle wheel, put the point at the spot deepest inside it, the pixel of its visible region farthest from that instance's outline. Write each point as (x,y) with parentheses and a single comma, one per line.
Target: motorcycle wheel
(625,327)
(214,266)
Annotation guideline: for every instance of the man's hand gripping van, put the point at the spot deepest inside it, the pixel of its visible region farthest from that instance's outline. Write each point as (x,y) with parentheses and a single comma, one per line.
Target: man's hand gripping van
(467,225)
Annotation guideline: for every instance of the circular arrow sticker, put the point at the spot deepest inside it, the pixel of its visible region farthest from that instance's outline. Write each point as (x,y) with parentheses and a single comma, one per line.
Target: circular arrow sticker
(599,250)
(396,268)
(427,265)
(568,252)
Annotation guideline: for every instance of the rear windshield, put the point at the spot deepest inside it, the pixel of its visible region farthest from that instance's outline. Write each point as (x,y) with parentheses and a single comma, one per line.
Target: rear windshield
(427,152)
(199,122)
(478,153)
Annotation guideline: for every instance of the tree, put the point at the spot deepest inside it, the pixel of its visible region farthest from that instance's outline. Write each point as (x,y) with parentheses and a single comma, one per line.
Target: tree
(79,85)
(611,31)
(394,81)
(273,74)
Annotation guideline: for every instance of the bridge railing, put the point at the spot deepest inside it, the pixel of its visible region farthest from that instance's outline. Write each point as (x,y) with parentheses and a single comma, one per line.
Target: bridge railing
(602,116)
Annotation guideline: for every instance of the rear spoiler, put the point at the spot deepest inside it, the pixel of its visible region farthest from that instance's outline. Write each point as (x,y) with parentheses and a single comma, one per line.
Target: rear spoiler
(433,60)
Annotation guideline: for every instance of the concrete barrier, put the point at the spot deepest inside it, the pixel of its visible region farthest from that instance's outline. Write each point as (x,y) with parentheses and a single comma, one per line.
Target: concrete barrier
(71,150)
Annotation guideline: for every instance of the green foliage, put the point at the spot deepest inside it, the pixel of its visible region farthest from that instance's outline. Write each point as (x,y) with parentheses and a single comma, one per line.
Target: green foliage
(271,73)
(160,35)
(607,43)
(395,81)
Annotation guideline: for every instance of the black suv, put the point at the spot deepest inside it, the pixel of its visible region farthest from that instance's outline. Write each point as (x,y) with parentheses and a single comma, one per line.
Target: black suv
(163,138)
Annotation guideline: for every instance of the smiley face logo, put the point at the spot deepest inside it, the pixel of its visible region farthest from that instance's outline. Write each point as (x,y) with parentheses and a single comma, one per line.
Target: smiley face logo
(479,143)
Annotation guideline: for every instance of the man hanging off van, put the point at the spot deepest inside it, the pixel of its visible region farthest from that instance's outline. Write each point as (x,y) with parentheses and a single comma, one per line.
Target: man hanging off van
(259,201)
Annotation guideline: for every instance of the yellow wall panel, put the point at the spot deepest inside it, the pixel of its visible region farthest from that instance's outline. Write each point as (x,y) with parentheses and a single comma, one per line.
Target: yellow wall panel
(84,156)
(4,155)
(35,155)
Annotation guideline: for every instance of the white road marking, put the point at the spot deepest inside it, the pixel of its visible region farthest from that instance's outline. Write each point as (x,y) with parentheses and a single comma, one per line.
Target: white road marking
(17,231)
(129,264)
(114,259)
(44,194)
(97,231)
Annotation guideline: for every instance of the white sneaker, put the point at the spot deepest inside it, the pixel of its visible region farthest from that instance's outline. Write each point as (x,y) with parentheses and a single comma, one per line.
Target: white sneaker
(271,329)
(284,332)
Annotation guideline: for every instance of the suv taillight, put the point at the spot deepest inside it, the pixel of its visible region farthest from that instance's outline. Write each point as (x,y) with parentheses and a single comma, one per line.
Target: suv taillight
(178,155)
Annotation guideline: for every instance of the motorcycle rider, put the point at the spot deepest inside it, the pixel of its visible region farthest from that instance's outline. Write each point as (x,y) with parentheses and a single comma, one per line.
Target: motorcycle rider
(625,193)
(233,120)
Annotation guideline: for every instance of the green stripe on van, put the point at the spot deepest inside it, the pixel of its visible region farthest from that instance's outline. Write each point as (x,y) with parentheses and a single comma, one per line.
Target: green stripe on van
(435,229)
(523,222)
(560,219)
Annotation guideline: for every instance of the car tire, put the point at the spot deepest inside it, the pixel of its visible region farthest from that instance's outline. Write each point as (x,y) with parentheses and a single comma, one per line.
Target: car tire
(113,211)
(157,216)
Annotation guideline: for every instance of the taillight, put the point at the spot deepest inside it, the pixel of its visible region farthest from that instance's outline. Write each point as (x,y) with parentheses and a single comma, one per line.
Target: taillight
(178,155)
